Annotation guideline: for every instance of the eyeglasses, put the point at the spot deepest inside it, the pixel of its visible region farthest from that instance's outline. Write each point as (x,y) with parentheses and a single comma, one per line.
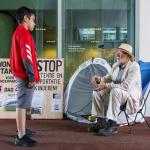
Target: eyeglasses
(121,54)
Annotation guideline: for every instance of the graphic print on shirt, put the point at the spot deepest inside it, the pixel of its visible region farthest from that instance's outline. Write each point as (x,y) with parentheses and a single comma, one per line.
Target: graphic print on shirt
(28,50)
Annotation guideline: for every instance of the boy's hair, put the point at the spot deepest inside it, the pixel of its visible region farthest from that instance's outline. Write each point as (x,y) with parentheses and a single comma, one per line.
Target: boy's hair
(23,11)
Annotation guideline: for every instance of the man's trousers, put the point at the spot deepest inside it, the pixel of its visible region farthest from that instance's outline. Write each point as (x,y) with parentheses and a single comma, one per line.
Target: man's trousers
(106,103)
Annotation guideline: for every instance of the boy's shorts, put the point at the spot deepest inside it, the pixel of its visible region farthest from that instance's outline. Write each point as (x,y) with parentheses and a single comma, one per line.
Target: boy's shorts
(24,94)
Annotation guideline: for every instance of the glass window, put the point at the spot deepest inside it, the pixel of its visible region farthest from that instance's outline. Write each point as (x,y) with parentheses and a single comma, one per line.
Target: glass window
(45,33)
(91,28)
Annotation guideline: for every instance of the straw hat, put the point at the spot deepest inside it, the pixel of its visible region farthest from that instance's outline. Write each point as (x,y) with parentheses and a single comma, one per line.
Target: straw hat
(127,49)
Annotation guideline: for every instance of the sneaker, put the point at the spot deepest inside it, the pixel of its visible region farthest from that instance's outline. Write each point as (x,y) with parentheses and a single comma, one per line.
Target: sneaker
(111,129)
(101,124)
(24,141)
(108,131)
(32,141)
(30,133)
(93,128)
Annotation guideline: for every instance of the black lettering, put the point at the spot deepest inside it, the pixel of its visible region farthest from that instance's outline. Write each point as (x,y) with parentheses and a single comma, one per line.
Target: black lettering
(4,64)
(52,66)
(8,89)
(46,61)
(58,64)
(39,66)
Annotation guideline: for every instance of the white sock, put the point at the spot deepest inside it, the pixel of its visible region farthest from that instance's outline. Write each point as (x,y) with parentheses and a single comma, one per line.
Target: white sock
(20,135)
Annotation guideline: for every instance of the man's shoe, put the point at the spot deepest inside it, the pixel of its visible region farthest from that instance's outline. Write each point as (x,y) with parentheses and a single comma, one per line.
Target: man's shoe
(111,129)
(108,131)
(24,141)
(93,128)
(101,124)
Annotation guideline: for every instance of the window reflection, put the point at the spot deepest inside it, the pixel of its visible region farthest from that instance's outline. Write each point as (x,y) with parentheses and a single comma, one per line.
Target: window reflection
(88,24)
(45,33)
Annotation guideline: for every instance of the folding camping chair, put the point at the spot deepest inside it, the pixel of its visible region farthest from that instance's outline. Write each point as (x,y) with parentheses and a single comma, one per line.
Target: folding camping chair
(122,109)
(145,74)
(145,94)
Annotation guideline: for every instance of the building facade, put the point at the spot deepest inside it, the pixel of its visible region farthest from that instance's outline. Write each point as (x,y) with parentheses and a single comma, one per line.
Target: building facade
(78,30)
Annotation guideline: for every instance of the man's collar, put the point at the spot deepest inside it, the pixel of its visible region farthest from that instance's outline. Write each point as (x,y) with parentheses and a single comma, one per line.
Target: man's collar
(122,66)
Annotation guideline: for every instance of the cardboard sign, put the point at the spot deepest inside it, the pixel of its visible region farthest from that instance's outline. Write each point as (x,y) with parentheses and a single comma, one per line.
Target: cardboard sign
(47,101)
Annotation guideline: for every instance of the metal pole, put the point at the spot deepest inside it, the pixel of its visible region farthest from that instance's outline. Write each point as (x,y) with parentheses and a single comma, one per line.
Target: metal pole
(59,32)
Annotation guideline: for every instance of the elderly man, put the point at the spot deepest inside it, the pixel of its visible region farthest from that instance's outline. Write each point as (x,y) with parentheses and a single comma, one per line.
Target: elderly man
(122,85)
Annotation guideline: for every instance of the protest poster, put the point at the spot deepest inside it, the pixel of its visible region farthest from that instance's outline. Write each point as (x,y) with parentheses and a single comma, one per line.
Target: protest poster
(47,101)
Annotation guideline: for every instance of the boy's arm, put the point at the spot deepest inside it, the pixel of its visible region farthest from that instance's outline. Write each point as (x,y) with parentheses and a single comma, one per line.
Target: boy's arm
(29,70)
(26,54)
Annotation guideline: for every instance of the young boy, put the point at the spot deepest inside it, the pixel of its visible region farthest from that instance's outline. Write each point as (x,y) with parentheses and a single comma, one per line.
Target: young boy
(23,64)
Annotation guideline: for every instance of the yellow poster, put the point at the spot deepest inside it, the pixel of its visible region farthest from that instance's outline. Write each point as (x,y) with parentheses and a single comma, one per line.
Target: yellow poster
(47,101)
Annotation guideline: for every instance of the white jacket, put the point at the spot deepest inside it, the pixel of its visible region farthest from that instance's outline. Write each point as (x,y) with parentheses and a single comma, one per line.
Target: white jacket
(130,82)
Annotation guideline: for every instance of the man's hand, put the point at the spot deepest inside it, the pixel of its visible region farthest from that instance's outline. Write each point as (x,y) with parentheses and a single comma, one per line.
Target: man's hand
(96,79)
(31,85)
(100,86)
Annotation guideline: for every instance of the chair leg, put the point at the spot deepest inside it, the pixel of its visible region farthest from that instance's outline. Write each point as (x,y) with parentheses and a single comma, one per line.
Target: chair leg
(133,124)
(119,113)
(127,118)
(145,120)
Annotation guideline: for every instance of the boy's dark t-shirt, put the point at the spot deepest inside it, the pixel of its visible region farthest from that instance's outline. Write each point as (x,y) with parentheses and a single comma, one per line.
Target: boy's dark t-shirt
(23,61)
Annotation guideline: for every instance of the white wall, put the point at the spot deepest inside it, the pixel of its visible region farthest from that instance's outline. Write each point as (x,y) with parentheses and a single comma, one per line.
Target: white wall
(143,37)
